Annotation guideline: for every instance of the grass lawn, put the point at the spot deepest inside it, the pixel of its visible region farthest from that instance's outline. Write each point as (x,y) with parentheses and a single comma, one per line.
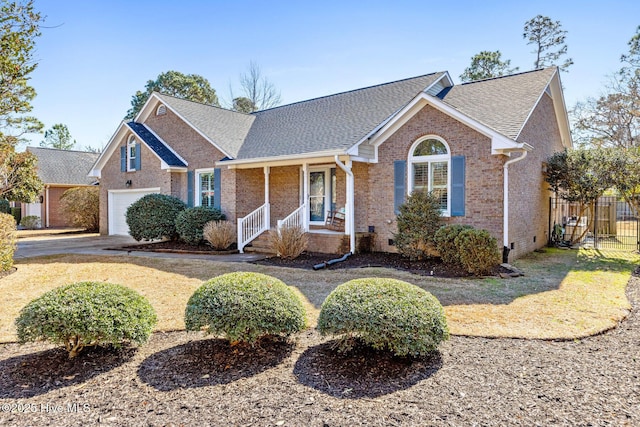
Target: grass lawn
(565,293)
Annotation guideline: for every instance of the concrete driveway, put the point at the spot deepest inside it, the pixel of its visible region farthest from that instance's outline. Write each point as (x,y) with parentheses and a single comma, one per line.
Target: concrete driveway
(95,244)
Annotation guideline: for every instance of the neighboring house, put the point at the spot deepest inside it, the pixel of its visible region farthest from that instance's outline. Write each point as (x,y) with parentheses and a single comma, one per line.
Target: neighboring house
(59,170)
(481,146)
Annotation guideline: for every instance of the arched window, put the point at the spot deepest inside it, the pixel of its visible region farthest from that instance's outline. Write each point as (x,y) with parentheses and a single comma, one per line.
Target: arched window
(161,110)
(429,166)
(131,153)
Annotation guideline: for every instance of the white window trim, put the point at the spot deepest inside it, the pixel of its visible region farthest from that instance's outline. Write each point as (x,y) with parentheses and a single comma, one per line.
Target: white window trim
(197,197)
(131,143)
(161,110)
(327,191)
(430,159)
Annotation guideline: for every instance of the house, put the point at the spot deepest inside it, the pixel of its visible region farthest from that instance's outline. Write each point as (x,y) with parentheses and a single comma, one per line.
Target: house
(59,170)
(480,146)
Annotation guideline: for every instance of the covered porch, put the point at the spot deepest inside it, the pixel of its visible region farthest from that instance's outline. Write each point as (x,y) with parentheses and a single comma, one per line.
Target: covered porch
(316,195)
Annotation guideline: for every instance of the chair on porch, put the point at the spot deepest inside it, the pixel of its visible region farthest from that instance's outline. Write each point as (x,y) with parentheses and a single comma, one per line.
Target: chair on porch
(335,220)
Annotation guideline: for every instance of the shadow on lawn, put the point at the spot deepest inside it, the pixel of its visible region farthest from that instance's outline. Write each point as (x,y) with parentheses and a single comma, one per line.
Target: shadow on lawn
(362,372)
(38,373)
(210,362)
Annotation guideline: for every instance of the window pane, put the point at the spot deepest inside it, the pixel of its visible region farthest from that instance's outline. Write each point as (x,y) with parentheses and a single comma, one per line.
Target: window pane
(206,189)
(430,147)
(441,193)
(438,174)
(421,176)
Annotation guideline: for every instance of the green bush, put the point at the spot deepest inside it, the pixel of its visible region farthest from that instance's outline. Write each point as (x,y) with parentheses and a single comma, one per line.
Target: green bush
(386,314)
(191,221)
(5,207)
(446,242)
(16,212)
(81,205)
(154,216)
(479,252)
(418,221)
(245,307)
(31,222)
(87,313)
(8,239)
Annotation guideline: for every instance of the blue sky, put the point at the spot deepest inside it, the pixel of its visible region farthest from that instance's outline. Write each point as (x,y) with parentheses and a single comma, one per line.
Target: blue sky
(94,55)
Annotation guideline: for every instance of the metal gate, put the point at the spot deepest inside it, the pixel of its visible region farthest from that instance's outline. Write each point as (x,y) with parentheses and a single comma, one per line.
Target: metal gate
(609,223)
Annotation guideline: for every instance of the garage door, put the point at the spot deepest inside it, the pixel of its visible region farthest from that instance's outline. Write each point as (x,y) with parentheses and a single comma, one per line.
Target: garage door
(119,201)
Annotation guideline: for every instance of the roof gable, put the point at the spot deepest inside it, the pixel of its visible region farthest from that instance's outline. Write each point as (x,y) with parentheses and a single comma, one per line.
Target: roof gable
(64,167)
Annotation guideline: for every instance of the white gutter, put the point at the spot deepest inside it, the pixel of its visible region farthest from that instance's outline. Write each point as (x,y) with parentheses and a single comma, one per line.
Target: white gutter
(350,205)
(505,209)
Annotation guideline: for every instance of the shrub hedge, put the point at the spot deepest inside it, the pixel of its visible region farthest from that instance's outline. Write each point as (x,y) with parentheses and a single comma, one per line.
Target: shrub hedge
(31,222)
(288,242)
(191,221)
(5,207)
(87,313)
(245,307)
(8,239)
(479,252)
(386,314)
(154,216)
(81,205)
(418,221)
(445,239)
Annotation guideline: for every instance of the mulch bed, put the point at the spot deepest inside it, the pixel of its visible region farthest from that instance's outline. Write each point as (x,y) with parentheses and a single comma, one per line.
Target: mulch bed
(182,378)
(429,267)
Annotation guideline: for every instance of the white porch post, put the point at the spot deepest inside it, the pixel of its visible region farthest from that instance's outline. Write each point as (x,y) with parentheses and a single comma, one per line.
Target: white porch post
(349,226)
(267,214)
(305,195)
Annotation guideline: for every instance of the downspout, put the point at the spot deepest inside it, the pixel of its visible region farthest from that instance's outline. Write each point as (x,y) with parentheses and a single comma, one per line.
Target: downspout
(350,206)
(505,218)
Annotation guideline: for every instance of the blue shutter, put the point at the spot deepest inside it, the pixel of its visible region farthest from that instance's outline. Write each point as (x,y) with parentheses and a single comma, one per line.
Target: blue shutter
(190,183)
(457,186)
(399,181)
(138,159)
(217,185)
(123,159)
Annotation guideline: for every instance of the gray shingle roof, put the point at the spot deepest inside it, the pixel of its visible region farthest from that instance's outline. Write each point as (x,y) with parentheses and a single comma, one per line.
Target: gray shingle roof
(227,129)
(328,123)
(502,103)
(64,166)
(156,145)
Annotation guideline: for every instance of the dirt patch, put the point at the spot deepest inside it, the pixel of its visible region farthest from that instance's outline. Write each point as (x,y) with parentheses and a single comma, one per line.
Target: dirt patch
(175,247)
(8,272)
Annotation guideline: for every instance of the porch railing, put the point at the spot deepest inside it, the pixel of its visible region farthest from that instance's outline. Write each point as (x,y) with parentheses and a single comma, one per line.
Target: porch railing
(294,219)
(253,225)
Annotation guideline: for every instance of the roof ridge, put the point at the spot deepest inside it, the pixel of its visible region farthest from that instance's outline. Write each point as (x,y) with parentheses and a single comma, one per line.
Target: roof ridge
(62,150)
(202,103)
(349,91)
(508,75)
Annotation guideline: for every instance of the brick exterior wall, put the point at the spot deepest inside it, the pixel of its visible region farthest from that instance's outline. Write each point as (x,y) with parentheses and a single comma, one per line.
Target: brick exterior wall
(483,174)
(56,217)
(528,191)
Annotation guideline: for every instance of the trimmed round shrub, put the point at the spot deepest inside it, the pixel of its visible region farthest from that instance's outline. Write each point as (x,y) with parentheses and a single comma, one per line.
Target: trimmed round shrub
(446,242)
(191,221)
(418,221)
(87,313)
(154,217)
(5,207)
(479,252)
(386,314)
(244,307)
(8,239)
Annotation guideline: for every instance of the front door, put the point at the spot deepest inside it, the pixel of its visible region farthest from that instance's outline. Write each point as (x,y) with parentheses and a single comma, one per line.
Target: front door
(317,195)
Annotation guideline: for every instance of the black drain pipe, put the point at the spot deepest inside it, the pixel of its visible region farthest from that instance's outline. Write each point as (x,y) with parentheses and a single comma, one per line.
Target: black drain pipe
(332,261)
